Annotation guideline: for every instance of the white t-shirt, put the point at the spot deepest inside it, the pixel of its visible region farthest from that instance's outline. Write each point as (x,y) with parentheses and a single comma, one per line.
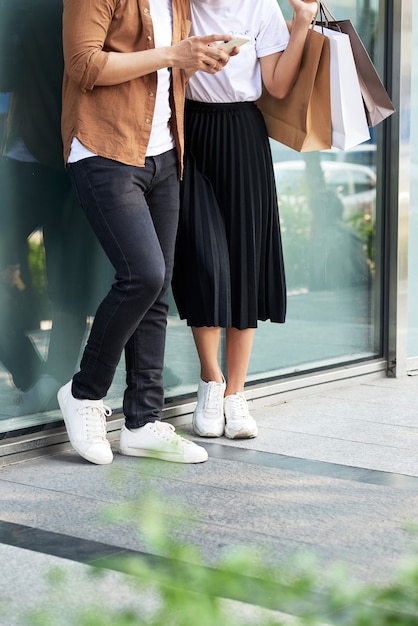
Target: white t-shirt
(240,80)
(161,139)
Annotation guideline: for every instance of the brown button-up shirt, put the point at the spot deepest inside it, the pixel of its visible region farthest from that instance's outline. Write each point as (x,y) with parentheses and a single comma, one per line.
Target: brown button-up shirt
(115,121)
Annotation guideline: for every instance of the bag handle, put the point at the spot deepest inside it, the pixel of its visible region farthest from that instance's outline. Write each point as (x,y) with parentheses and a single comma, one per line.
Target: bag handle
(325,13)
(327,19)
(315,18)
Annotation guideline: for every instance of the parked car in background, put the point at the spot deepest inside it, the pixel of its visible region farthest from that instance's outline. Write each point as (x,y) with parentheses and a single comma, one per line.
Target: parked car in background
(327,215)
(353,184)
(363,154)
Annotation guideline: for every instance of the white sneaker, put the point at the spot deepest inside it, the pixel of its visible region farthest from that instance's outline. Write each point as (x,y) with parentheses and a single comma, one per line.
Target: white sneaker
(85,421)
(208,416)
(159,440)
(239,423)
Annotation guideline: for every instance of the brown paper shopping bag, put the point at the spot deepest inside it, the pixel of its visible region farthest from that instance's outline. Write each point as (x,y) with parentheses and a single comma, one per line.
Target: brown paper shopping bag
(302,120)
(376,99)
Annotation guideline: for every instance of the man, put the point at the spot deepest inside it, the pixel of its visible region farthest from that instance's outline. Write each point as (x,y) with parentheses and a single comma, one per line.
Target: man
(126,63)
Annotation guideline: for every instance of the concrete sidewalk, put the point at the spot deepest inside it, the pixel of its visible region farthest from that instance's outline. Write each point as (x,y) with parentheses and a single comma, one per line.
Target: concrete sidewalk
(333,473)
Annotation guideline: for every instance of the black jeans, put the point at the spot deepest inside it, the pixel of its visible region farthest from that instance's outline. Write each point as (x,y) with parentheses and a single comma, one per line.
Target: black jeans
(134,213)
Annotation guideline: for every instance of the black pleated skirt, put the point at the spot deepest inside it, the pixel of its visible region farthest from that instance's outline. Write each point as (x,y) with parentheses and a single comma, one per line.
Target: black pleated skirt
(229,267)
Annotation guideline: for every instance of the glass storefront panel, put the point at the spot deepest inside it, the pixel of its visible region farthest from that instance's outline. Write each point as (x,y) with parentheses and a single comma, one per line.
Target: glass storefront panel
(413,200)
(53,273)
(328,214)
(330,223)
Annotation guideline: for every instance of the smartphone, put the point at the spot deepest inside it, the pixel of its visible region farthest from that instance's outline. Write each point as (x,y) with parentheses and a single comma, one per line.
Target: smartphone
(228,46)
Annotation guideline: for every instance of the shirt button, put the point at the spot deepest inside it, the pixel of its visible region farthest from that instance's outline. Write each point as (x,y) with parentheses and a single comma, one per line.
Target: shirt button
(151,93)
(146,10)
(147,120)
(149,38)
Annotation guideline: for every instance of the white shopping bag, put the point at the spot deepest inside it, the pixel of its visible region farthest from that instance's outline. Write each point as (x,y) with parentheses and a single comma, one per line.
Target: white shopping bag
(348,116)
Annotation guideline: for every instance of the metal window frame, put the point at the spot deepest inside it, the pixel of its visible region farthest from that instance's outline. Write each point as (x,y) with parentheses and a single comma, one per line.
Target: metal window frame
(398,36)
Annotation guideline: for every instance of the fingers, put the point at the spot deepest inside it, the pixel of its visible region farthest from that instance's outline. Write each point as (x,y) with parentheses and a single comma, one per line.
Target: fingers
(219,57)
(208,58)
(213,69)
(200,53)
(208,39)
(217,66)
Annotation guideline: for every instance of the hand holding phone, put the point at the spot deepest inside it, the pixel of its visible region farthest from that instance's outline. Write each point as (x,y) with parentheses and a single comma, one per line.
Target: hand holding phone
(228,46)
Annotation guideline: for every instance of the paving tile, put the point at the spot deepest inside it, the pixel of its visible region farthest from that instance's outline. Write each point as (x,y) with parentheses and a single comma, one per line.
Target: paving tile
(334,472)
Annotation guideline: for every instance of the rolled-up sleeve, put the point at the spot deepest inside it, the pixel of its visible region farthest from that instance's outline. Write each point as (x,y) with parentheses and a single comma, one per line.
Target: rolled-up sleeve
(113,121)
(84,35)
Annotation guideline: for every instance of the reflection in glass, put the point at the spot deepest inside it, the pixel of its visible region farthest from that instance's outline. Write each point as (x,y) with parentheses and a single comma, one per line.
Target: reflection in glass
(328,213)
(413,211)
(327,206)
(45,245)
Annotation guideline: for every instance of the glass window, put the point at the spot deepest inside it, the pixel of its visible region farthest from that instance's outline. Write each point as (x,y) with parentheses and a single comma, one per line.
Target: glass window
(53,273)
(413,213)
(329,219)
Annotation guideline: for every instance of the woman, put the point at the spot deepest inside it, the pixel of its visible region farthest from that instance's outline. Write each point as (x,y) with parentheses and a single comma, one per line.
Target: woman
(229,269)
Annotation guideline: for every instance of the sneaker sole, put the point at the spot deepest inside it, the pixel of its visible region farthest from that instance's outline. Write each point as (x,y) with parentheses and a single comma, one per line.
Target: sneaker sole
(240,434)
(212,433)
(161,456)
(93,460)
(202,434)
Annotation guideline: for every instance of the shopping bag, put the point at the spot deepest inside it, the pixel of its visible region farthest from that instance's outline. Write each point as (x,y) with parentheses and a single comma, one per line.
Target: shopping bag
(348,117)
(302,120)
(377,102)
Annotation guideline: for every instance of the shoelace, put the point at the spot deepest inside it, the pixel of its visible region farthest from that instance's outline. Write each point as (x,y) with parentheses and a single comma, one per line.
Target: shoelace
(214,398)
(167,431)
(95,420)
(239,406)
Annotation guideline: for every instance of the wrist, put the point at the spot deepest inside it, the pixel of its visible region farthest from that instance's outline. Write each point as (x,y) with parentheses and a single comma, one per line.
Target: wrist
(302,18)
